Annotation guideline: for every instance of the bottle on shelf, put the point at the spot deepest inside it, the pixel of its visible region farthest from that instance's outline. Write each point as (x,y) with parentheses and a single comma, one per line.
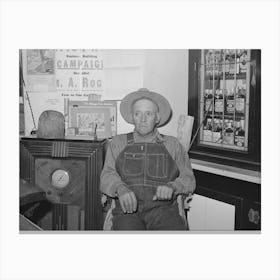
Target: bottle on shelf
(227,62)
(207,130)
(238,62)
(228,133)
(219,101)
(232,62)
(217,60)
(240,99)
(206,92)
(239,138)
(243,61)
(209,62)
(217,130)
(230,102)
(220,63)
(239,52)
(208,124)
(208,100)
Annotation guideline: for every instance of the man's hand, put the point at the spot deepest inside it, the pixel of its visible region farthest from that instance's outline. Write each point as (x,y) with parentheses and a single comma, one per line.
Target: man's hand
(127,200)
(163,193)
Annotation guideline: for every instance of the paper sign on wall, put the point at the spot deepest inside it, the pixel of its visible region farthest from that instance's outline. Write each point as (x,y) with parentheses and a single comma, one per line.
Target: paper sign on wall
(79,70)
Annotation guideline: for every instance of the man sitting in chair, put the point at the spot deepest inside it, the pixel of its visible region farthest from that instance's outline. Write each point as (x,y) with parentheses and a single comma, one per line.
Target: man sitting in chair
(145,170)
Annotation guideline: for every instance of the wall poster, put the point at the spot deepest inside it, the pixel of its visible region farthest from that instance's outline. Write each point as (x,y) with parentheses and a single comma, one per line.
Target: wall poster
(79,72)
(51,75)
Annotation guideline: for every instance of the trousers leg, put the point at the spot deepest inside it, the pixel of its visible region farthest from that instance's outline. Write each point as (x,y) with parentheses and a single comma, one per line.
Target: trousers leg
(164,217)
(122,221)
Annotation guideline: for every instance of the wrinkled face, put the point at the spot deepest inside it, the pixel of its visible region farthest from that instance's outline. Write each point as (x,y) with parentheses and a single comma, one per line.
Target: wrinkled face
(145,116)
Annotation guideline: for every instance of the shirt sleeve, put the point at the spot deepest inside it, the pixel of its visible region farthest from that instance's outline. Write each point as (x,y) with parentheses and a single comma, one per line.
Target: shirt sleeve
(185,183)
(110,180)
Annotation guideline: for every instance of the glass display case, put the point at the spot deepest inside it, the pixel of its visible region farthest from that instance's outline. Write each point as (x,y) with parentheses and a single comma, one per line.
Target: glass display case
(224,98)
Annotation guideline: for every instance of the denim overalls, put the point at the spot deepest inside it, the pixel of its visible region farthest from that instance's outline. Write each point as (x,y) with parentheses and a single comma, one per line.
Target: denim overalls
(143,167)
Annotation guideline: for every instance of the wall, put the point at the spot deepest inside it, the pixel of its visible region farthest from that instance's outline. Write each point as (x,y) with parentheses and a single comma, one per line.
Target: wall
(161,70)
(166,72)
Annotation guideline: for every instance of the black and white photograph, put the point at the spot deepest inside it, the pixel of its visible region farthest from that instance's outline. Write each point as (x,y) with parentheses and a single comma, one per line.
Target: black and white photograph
(139,140)
(194,165)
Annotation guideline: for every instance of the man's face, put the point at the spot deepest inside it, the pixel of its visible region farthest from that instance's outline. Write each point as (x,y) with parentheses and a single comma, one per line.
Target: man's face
(145,116)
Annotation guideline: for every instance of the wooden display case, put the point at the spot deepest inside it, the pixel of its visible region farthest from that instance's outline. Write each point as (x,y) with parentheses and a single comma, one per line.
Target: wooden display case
(225,100)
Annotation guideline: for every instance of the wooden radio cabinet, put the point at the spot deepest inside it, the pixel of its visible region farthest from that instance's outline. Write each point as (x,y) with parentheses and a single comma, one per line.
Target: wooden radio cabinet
(68,171)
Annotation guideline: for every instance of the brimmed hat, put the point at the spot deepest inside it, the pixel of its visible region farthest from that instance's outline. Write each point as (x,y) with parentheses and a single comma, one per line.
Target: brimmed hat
(143,93)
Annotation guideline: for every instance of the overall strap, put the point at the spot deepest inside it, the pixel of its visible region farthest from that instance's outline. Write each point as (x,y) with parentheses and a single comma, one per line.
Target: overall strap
(130,138)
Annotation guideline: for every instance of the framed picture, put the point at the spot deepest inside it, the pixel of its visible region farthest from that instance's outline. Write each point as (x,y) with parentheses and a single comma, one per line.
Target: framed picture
(86,118)
(68,171)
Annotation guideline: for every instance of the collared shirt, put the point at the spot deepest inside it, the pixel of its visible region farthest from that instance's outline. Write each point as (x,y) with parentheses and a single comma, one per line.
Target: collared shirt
(110,179)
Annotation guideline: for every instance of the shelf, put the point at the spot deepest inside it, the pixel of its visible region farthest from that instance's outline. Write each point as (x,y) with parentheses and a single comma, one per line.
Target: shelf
(223,63)
(227,171)
(241,76)
(223,146)
(226,116)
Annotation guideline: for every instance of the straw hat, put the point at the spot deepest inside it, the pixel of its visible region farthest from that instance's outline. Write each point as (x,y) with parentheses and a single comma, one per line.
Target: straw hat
(143,93)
